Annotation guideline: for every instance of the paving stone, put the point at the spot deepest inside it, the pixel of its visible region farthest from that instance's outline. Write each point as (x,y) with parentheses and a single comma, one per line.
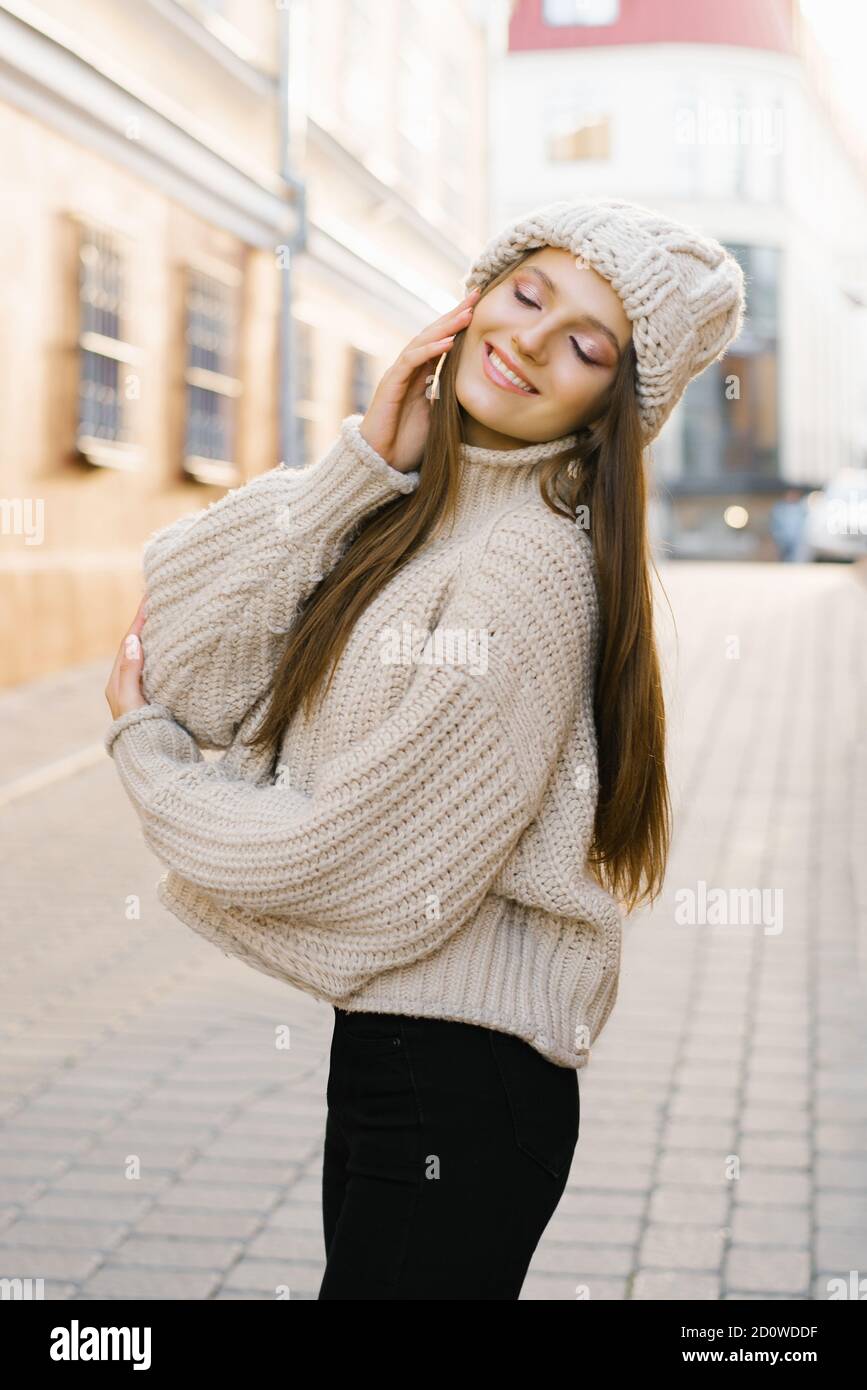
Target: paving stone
(125,1282)
(71,1206)
(674,1284)
(229,1225)
(193,1196)
(840,1285)
(604,1229)
(769,1225)
(139,1038)
(761,1268)
(558,1289)
(694,1206)
(178,1253)
(60,1235)
(291,1245)
(682,1247)
(781,1186)
(832,1171)
(843,1250)
(39,1262)
(583,1259)
(840,1209)
(269,1275)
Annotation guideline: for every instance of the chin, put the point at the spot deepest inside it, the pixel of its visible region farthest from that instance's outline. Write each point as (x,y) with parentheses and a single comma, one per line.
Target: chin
(478,405)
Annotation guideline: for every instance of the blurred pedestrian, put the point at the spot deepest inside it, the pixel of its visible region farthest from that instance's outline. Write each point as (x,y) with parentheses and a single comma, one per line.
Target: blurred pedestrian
(787,525)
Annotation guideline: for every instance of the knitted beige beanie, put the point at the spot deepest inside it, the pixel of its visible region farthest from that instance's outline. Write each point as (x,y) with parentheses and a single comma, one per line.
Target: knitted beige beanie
(683,292)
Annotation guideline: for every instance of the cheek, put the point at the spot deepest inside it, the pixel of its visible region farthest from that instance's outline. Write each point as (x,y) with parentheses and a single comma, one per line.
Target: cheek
(572,388)
(479,327)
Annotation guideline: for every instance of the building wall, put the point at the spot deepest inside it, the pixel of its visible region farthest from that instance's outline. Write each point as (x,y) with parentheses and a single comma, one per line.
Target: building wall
(212,65)
(739,141)
(389,177)
(161,126)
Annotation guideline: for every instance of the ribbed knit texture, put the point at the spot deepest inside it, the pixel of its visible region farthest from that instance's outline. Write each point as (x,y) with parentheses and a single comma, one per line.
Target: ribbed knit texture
(420,845)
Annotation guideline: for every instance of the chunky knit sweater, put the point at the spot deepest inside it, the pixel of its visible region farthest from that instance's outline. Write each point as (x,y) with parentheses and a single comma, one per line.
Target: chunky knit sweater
(420,844)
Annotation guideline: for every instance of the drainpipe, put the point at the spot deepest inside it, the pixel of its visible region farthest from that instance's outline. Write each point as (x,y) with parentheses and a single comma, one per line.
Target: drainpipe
(290,451)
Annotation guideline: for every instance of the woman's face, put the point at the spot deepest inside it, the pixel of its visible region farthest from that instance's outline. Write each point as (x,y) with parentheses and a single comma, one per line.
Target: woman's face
(568,312)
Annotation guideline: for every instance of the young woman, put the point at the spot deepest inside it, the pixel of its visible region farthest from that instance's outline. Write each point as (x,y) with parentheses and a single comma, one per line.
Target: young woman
(430,663)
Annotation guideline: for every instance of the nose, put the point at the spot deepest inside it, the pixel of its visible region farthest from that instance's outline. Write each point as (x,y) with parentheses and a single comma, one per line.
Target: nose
(522,348)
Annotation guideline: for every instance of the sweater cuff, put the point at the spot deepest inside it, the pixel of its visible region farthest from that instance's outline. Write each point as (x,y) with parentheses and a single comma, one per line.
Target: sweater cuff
(134,716)
(373,461)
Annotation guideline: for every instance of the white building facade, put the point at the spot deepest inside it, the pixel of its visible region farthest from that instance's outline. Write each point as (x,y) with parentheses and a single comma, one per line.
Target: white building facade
(721,117)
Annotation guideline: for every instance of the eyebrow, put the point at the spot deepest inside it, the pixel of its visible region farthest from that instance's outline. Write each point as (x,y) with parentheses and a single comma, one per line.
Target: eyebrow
(584,318)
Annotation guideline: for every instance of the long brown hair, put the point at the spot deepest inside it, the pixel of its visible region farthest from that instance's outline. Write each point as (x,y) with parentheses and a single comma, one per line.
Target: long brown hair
(632,829)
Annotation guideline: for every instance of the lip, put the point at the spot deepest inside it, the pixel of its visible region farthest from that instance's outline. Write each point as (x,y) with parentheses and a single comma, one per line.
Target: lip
(501,381)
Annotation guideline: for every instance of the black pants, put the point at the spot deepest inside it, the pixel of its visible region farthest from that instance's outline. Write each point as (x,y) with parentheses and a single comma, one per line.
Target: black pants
(447,1149)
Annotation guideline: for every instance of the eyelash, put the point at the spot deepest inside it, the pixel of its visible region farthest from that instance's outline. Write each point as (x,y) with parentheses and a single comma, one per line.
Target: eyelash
(583,355)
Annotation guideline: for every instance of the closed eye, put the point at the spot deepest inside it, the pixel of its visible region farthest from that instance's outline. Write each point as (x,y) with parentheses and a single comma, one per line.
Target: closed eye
(591,362)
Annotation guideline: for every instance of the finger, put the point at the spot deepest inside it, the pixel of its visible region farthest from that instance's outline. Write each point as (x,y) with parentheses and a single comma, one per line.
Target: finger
(414,357)
(111,684)
(451,322)
(139,619)
(468,302)
(131,650)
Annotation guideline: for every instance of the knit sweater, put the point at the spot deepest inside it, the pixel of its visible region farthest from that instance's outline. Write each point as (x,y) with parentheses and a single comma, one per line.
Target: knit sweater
(419,846)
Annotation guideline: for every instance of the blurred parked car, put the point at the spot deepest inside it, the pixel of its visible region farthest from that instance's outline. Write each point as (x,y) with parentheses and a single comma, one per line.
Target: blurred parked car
(836,526)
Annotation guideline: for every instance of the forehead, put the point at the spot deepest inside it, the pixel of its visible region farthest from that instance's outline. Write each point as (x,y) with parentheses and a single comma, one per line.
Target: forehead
(583,291)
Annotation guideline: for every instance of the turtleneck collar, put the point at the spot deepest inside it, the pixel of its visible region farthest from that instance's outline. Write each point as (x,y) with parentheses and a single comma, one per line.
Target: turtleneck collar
(496,480)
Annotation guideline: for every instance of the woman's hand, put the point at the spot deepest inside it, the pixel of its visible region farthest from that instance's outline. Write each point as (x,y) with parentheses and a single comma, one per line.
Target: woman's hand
(123,690)
(398,418)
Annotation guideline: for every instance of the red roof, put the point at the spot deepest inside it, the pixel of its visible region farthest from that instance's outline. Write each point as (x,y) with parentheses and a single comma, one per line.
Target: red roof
(766,24)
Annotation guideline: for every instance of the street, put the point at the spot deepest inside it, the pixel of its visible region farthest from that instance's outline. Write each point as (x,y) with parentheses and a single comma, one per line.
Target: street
(159,1139)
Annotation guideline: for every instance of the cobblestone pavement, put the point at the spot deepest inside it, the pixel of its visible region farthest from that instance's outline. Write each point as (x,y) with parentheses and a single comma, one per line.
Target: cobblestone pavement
(155,1141)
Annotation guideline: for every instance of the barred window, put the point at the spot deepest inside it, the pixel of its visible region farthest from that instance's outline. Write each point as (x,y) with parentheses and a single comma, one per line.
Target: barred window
(212,386)
(362,381)
(106,381)
(307,412)
(304,345)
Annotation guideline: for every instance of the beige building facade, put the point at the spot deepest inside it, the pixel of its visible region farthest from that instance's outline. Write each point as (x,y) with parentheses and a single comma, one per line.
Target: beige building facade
(189,188)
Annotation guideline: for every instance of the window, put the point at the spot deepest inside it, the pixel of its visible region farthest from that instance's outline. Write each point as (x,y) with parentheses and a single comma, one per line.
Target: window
(307,439)
(362,381)
(212,388)
(307,412)
(105,383)
(304,344)
(585,141)
(587,12)
(734,435)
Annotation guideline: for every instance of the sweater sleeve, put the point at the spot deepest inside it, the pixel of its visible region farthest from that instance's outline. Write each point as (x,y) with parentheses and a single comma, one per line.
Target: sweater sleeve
(225,583)
(406,830)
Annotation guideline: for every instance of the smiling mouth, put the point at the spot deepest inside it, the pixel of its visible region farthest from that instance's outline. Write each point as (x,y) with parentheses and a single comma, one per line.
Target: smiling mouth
(502,375)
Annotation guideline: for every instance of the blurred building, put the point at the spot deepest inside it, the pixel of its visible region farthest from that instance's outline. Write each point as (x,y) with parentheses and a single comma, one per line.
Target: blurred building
(724,116)
(222,221)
